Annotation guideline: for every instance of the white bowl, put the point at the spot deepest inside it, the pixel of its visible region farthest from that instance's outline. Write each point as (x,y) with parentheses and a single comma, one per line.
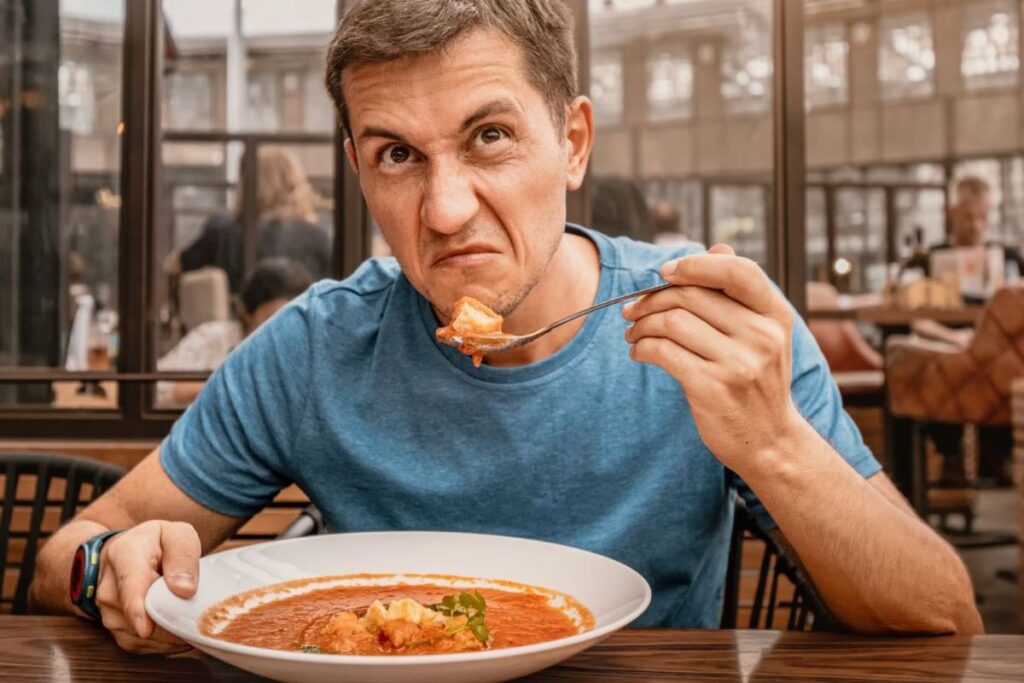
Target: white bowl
(614,593)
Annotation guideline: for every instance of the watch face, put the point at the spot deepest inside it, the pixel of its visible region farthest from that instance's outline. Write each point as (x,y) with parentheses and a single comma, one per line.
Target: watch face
(77,574)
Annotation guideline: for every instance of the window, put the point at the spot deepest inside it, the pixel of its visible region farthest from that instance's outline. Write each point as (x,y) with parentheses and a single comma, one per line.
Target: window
(188,101)
(669,85)
(826,73)
(606,89)
(59,232)
(747,67)
(991,50)
(906,63)
(261,186)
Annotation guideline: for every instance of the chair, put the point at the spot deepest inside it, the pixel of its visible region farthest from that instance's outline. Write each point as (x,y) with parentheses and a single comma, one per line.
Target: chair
(782,586)
(203,296)
(936,382)
(310,522)
(40,493)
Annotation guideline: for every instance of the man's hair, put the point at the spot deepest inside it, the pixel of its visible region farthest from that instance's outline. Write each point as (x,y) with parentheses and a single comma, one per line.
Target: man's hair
(970,186)
(379,31)
(273,278)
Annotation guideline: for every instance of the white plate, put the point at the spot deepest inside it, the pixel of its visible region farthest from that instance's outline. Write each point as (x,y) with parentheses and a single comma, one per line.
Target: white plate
(614,593)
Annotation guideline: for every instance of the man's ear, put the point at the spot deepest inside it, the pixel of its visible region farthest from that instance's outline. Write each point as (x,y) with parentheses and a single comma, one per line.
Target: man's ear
(350,152)
(579,139)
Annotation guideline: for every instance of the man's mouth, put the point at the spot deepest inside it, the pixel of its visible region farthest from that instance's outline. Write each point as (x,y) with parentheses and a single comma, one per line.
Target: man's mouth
(469,255)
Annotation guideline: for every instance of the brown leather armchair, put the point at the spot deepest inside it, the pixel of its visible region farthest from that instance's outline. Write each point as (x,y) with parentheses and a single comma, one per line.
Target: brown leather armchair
(943,383)
(936,382)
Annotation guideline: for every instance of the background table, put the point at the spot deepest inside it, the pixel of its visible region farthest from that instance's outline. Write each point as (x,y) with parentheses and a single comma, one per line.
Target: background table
(892,317)
(70,649)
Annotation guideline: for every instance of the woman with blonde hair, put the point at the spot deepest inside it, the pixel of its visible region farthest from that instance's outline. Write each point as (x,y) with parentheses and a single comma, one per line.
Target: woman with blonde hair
(286,203)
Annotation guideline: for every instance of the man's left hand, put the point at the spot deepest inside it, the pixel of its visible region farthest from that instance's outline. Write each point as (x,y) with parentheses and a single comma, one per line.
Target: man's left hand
(724,333)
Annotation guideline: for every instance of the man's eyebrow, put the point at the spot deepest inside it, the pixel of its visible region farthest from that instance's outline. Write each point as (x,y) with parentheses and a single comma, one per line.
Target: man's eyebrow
(375,132)
(489,109)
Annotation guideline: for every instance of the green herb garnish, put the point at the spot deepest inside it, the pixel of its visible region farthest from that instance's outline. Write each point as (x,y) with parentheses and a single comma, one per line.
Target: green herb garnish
(311,649)
(470,605)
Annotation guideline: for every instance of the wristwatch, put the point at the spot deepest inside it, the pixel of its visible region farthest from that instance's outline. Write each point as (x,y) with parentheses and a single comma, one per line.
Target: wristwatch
(85,573)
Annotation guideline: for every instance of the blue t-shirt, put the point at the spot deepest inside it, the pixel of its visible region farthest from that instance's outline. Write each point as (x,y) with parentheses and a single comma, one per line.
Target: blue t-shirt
(346,393)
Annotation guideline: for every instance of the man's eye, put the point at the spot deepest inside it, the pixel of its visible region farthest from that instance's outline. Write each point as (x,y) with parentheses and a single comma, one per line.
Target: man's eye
(396,154)
(490,135)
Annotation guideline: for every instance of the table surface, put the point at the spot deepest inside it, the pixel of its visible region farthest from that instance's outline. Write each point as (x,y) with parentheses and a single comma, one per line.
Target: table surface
(71,649)
(891,316)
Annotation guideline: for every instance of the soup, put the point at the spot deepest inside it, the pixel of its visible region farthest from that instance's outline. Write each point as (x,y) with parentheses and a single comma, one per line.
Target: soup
(398,618)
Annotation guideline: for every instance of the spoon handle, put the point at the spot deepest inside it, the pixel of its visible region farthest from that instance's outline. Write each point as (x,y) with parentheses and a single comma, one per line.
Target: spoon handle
(603,304)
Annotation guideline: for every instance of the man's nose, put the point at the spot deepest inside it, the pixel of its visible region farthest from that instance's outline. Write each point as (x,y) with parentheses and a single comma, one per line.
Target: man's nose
(449,198)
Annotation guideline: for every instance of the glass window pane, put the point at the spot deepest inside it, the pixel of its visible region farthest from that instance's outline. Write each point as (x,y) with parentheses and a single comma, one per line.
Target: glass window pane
(747,65)
(606,88)
(264,74)
(826,76)
(669,84)
(991,49)
(60,195)
(237,208)
(906,63)
(684,127)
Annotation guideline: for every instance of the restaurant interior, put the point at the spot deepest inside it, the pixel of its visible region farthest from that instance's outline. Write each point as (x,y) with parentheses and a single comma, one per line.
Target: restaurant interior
(837,143)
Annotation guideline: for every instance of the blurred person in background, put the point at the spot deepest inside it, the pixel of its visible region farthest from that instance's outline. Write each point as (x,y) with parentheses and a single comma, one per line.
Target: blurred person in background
(272,283)
(287,225)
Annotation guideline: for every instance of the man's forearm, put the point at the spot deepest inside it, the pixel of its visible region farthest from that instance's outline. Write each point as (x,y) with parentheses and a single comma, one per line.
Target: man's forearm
(877,566)
(49,591)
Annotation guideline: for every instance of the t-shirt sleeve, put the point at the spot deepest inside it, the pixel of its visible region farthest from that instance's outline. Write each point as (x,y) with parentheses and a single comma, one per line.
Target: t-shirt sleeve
(230,450)
(818,400)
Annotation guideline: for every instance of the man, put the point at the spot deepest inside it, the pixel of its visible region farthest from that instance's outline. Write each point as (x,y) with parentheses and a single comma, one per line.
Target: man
(619,434)
(271,284)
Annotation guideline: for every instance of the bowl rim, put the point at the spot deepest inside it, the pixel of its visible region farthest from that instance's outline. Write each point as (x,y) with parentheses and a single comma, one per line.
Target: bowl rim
(204,641)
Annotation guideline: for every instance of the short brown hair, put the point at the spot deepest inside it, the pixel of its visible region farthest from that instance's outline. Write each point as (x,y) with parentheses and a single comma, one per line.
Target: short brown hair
(378,31)
(971,186)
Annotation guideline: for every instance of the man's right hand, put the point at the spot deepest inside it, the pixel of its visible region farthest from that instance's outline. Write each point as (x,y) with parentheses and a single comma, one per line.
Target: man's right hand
(129,564)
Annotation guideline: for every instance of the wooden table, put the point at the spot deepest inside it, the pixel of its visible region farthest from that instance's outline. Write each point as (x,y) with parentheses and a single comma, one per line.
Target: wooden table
(70,649)
(891,317)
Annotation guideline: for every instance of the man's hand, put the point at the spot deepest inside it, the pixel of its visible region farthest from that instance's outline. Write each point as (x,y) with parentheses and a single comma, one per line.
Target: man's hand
(724,333)
(130,563)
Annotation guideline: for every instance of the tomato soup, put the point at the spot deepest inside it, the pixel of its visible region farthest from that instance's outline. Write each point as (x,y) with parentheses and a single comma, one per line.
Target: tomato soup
(397,618)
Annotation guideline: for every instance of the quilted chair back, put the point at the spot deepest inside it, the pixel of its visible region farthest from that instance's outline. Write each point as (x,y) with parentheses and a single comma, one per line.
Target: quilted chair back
(942,383)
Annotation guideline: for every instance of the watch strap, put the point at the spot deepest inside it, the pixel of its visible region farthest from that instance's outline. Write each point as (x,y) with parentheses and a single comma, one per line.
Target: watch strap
(85,573)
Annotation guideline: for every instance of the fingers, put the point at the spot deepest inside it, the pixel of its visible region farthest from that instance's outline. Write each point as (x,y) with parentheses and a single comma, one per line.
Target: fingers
(685,329)
(159,642)
(181,549)
(130,567)
(130,561)
(722,313)
(740,278)
(683,365)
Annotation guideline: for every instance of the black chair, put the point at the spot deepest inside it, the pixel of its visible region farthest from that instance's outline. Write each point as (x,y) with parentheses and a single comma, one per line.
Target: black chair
(778,568)
(40,493)
(309,523)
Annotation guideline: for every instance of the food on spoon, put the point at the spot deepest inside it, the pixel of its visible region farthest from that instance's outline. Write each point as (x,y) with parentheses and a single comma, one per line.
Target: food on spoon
(473,328)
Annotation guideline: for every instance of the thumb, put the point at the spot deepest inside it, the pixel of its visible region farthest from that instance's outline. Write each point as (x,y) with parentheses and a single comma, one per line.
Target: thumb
(722,249)
(181,550)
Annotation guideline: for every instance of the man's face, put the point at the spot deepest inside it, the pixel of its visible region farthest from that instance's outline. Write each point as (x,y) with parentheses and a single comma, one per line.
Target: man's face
(969,220)
(463,169)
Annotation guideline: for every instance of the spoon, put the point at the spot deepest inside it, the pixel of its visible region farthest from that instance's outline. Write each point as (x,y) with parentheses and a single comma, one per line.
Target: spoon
(497,342)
